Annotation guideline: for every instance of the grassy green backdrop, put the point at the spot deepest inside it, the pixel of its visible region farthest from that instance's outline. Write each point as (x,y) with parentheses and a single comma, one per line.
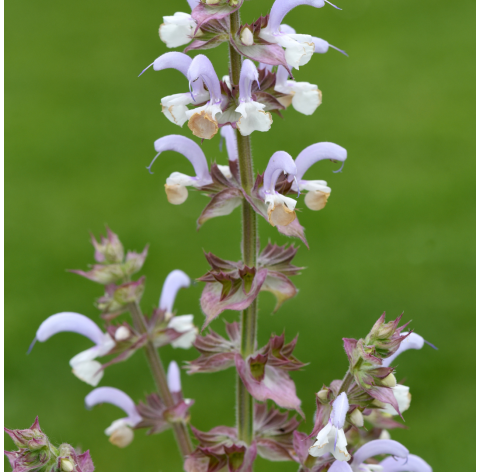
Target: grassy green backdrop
(397,234)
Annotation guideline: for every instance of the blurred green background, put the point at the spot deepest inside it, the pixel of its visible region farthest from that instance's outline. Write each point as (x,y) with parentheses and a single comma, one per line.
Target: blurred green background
(397,234)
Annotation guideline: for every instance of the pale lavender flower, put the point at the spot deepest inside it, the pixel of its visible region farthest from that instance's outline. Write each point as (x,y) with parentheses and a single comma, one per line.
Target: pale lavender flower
(120,431)
(174,107)
(182,323)
(371,449)
(413,341)
(202,120)
(84,365)
(229,134)
(175,186)
(299,48)
(317,190)
(253,117)
(281,209)
(305,97)
(331,438)
(173,377)
(178,29)
(411,464)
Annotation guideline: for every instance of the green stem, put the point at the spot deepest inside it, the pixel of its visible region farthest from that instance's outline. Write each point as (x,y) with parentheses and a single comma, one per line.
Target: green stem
(181,431)
(245,403)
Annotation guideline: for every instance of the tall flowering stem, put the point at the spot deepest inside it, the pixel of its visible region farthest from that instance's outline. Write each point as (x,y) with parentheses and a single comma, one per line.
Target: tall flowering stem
(245,403)
(158,373)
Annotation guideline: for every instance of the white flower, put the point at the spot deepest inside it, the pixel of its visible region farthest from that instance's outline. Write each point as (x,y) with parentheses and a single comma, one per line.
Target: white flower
(317,193)
(174,107)
(299,48)
(226,172)
(183,324)
(305,98)
(177,30)
(202,120)
(331,438)
(120,433)
(253,118)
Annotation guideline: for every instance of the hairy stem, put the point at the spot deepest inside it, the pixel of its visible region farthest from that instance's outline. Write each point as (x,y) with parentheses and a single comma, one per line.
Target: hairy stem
(158,373)
(245,403)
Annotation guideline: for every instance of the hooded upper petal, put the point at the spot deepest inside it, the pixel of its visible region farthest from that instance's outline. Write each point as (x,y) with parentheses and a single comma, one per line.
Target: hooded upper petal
(281,8)
(173,283)
(411,464)
(317,152)
(413,341)
(377,447)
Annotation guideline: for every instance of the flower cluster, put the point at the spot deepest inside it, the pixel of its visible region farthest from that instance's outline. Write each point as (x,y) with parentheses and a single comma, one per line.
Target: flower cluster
(353,415)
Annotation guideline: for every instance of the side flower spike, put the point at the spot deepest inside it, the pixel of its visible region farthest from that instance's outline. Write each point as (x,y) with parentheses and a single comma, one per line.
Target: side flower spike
(202,120)
(178,29)
(175,186)
(120,431)
(281,209)
(84,365)
(331,438)
(305,97)
(182,323)
(317,190)
(413,341)
(371,449)
(411,464)
(299,48)
(174,107)
(253,118)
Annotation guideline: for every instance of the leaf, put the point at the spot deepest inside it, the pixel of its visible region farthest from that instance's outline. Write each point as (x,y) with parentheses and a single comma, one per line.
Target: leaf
(224,203)
(211,302)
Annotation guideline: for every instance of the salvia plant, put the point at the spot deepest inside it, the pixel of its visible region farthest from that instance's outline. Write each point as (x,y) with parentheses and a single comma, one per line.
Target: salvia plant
(350,431)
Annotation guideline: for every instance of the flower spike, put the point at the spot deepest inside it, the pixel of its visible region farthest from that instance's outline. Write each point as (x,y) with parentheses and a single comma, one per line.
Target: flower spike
(83,364)
(120,431)
(253,118)
(317,190)
(176,184)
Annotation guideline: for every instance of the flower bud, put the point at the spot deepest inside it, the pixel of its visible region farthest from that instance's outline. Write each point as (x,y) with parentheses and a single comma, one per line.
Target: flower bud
(247,37)
(109,249)
(389,381)
(122,436)
(122,333)
(323,395)
(357,419)
(385,434)
(176,194)
(316,200)
(66,465)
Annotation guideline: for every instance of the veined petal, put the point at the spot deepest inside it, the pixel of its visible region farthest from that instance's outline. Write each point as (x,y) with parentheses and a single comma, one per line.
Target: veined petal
(177,30)
(320,447)
(280,161)
(339,410)
(379,446)
(281,8)
(229,134)
(248,74)
(413,341)
(317,152)
(188,149)
(70,322)
(115,397)
(412,464)
(202,68)
(253,118)
(173,283)
(340,450)
(173,377)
